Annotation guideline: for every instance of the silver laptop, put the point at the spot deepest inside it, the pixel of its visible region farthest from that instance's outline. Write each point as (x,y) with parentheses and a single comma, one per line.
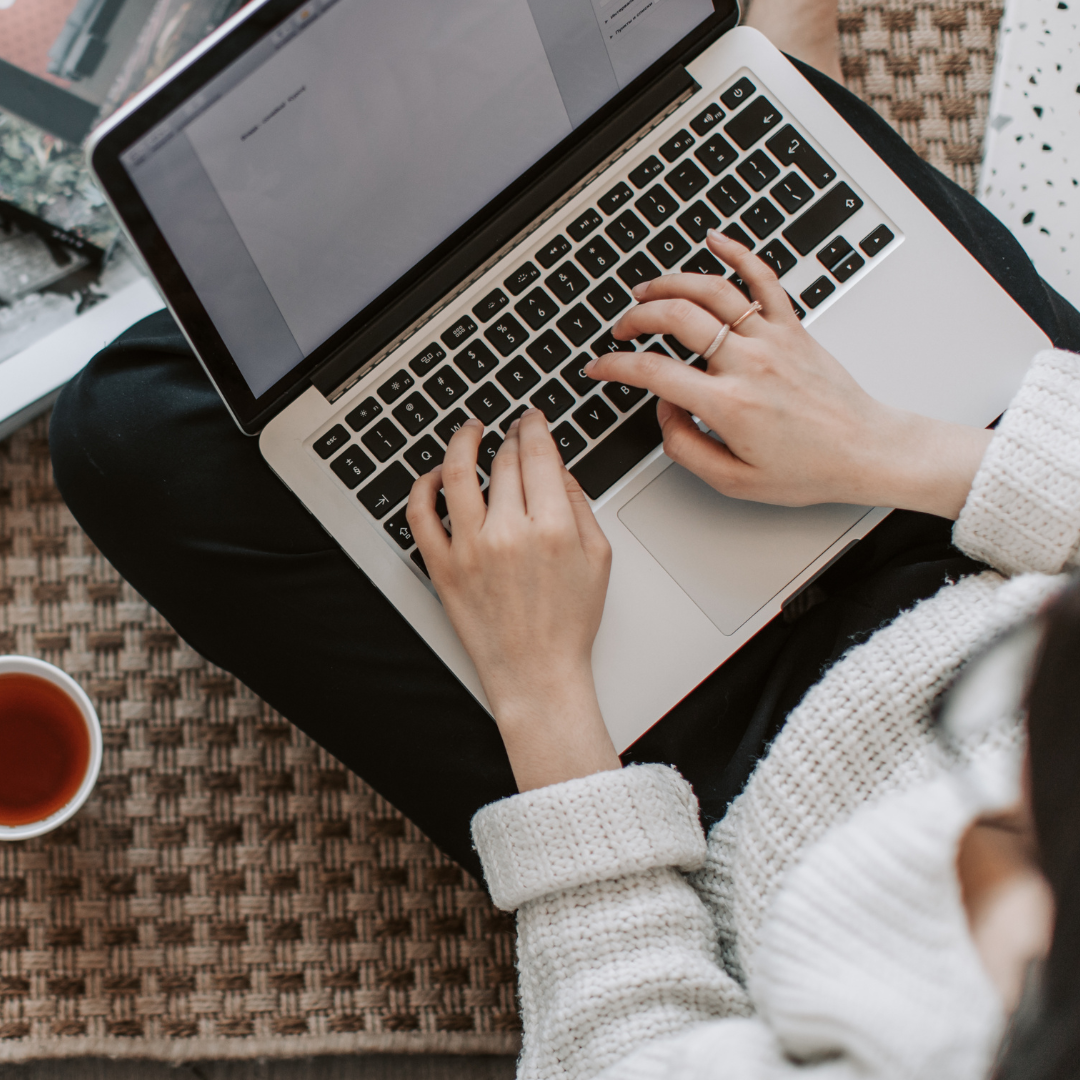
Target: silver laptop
(374,220)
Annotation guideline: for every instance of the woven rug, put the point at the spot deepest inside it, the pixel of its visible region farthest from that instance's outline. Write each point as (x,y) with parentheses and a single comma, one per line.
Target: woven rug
(230,890)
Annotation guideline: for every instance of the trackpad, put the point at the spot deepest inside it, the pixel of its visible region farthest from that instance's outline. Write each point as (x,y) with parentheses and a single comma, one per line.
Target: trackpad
(730,557)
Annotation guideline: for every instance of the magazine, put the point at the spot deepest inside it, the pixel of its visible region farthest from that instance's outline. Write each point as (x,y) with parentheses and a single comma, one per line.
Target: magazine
(65,65)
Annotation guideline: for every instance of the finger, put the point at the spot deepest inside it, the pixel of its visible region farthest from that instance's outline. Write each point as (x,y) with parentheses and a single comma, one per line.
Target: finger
(593,541)
(505,494)
(666,377)
(765,287)
(464,502)
(689,446)
(714,294)
(541,470)
(427,527)
(691,323)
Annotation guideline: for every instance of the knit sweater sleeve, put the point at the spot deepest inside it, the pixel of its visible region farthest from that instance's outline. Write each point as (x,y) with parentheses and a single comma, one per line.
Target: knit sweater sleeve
(615,948)
(1023,511)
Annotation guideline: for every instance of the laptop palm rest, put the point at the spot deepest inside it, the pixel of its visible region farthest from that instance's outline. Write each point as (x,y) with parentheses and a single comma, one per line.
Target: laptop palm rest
(729,556)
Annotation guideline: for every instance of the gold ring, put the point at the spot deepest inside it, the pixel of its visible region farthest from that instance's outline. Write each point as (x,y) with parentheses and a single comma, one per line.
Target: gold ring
(752,309)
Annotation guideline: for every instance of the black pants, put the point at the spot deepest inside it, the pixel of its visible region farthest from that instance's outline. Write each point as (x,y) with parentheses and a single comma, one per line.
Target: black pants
(185,508)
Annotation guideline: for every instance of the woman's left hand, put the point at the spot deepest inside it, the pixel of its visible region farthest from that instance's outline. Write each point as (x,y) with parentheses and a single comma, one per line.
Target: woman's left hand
(523,580)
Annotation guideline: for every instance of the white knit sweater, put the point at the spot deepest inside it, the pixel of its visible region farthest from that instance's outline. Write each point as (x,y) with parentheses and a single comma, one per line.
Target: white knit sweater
(819,927)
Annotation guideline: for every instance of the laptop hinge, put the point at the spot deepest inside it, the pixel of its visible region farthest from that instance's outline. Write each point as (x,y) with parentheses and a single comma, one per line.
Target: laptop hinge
(528,212)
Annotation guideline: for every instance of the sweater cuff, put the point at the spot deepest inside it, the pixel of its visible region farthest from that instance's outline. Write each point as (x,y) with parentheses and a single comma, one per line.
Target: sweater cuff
(594,828)
(1023,511)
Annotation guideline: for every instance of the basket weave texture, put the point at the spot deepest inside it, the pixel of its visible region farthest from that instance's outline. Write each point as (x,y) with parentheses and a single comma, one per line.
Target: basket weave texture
(230,890)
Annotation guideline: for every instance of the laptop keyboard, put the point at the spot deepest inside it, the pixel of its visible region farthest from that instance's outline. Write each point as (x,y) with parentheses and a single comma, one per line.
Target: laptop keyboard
(738,165)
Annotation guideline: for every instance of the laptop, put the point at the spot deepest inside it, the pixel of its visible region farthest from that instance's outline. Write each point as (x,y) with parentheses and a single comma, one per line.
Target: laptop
(374,220)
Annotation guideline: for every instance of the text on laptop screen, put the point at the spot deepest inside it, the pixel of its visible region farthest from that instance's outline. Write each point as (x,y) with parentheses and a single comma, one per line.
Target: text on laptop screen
(329,159)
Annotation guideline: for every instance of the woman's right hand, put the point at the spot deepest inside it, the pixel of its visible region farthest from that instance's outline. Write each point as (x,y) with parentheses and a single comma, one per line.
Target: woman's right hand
(796,427)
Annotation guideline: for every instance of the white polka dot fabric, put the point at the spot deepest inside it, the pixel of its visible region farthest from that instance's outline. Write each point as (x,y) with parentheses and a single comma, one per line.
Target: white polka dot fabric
(1031,170)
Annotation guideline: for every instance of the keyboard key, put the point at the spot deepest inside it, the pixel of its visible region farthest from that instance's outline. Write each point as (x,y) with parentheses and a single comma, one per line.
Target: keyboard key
(792,193)
(414,414)
(331,442)
(395,386)
(686,180)
(424,455)
(597,256)
(758,169)
(677,347)
(657,205)
(459,333)
(625,397)
(651,167)
(486,451)
(487,404)
(656,347)
(609,298)
(741,285)
(398,527)
(518,377)
(445,387)
(833,252)
(817,292)
(668,247)
(778,257)
(728,196)
(384,440)
(739,235)
(716,154)
(677,145)
(554,250)
(758,119)
(606,343)
(582,226)
(364,413)
(738,94)
(506,335)
(620,451)
(521,278)
(707,120)
(552,399)
(387,489)
(627,230)
(506,421)
(822,219)
(491,305)
(548,350)
(574,375)
(619,194)
(569,442)
(578,324)
(536,308)
(446,427)
(595,416)
(848,266)
(704,262)
(423,363)
(762,218)
(419,560)
(567,283)
(638,269)
(697,221)
(878,239)
(476,360)
(800,313)
(353,466)
(790,148)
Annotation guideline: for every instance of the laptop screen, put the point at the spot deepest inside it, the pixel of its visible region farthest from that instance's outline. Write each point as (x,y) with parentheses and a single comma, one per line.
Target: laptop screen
(329,159)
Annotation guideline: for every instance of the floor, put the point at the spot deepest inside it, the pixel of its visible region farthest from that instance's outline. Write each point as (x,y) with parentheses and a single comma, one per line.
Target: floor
(367,1067)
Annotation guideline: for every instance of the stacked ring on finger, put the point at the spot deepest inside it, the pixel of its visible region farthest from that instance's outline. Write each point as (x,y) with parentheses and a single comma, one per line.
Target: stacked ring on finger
(726,329)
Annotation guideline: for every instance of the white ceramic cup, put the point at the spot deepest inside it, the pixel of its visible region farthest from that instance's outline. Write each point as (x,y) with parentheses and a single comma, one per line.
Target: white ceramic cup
(28,665)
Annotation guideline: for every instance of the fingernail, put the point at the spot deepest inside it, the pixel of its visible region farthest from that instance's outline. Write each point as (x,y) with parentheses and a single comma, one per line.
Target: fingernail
(514,426)
(590,365)
(529,412)
(472,422)
(724,240)
(640,289)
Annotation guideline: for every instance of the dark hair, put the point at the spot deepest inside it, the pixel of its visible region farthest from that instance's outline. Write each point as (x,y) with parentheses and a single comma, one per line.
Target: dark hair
(1045,1041)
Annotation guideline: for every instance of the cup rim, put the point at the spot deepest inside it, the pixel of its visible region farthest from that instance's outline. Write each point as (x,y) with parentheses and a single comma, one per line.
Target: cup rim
(31,665)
